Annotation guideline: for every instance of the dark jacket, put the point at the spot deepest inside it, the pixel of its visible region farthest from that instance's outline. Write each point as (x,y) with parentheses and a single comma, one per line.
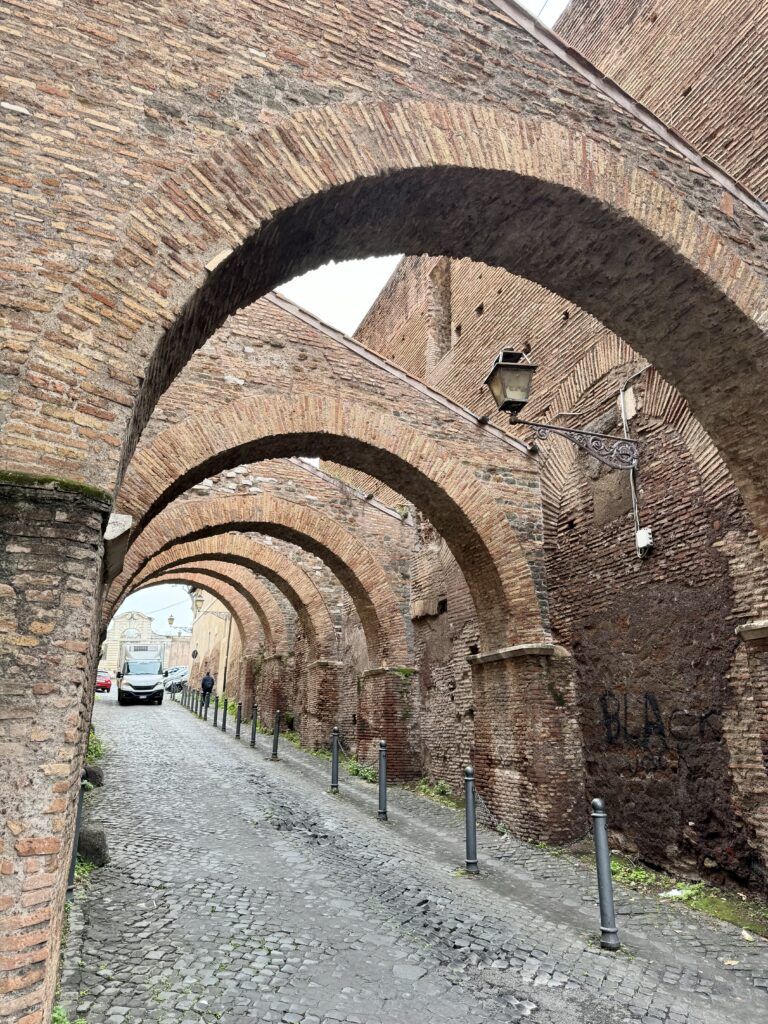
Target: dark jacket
(208,682)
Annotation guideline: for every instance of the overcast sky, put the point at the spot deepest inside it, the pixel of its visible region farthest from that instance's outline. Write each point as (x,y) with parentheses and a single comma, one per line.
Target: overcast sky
(339,294)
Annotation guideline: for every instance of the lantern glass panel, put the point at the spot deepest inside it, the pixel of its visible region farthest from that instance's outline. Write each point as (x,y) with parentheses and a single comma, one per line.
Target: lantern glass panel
(510,384)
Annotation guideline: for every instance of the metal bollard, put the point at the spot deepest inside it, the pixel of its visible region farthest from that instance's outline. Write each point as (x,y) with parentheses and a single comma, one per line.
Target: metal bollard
(609,933)
(335,759)
(382,780)
(196,701)
(224,709)
(275,737)
(215,711)
(253,726)
(184,696)
(78,822)
(206,705)
(469,794)
(239,719)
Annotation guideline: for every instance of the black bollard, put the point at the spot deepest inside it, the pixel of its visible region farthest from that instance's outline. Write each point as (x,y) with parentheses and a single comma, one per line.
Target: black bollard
(275,737)
(469,792)
(239,719)
(206,705)
(253,726)
(224,709)
(335,759)
(382,780)
(215,711)
(196,702)
(609,933)
(184,696)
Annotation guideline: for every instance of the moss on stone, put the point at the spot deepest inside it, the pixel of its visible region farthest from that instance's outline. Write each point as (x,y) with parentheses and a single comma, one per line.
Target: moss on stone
(13,478)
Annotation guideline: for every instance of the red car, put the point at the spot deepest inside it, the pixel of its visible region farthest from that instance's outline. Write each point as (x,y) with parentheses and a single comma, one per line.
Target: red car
(103,682)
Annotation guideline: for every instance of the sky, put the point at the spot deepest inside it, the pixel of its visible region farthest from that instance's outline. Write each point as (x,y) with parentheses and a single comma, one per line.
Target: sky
(340,294)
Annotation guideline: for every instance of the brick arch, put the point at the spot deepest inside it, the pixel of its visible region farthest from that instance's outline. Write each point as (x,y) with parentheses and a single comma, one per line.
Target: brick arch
(345,555)
(269,613)
(661,401)
(291,580)
(464,509)
(464,180)
(242,612)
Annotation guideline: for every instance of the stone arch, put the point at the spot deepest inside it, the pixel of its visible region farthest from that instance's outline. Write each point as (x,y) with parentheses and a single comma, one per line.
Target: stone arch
(526,193)
(269,613)
(463,508)
(345,555)
(240,549)
(242,612)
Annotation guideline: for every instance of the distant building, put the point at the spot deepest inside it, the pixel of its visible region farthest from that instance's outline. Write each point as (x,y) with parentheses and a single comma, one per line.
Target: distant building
(136,627)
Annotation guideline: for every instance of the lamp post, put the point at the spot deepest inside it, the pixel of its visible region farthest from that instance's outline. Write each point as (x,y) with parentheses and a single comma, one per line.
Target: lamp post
(510,384)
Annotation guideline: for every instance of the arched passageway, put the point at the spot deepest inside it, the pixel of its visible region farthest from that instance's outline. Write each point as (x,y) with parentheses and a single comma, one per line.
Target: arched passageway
(354,565)
(610,215)
(467,511)
(240,549)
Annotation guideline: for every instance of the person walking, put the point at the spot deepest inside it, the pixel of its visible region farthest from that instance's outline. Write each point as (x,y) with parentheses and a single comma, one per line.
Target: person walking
(207,684)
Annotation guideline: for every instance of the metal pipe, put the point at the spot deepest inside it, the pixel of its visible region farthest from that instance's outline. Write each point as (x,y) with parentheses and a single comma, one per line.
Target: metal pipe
(275,737)
(335,759)
(609,933)
(239,719)
(224,709)
(78,822)
(471,821)
(382,815)
(253,726)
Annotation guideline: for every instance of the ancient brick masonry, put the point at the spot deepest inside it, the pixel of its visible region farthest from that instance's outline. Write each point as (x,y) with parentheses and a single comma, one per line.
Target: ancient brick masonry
(124,183)
(50,551)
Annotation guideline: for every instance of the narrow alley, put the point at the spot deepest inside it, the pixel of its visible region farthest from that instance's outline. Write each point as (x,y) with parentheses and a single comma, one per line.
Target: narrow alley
(242,890)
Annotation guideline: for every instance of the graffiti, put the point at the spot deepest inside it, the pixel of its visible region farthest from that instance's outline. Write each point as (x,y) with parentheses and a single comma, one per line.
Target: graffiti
(659,739)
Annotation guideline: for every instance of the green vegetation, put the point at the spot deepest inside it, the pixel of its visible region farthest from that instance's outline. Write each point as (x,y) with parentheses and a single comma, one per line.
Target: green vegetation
(738,908)
(438,791)
(366,772)
(95,748)
(83,869)
(60,1016)
(55,483)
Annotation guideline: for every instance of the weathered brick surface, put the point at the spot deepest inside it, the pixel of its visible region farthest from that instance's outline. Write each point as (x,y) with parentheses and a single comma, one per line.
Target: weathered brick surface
(292,581)
(703,83)
(137,149)
(50,560)
(351,561)
(145,256)
(470,480)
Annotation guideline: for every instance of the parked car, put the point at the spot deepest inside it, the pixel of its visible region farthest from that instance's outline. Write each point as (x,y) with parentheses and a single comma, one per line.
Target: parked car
(103,681)
(177,677)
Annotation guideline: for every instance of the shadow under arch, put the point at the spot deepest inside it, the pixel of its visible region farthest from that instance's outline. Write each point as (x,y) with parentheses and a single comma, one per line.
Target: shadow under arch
(483,182)
(464,509)
(239,549)
(354,565)
(242,613)
(269,613)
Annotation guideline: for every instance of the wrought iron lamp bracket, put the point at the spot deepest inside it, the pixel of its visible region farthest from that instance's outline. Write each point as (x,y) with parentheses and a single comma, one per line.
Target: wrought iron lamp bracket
(616,452)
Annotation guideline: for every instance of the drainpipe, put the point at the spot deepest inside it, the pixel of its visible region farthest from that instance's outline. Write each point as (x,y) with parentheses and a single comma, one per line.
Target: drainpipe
(226,656)
(643,537)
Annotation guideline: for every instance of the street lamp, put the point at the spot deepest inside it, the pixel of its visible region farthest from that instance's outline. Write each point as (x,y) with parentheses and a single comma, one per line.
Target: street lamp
(170,621)
(510,384)
(198,601)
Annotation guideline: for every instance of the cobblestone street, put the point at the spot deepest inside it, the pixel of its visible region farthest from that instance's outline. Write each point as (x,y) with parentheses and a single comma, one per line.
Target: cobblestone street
(268,899)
